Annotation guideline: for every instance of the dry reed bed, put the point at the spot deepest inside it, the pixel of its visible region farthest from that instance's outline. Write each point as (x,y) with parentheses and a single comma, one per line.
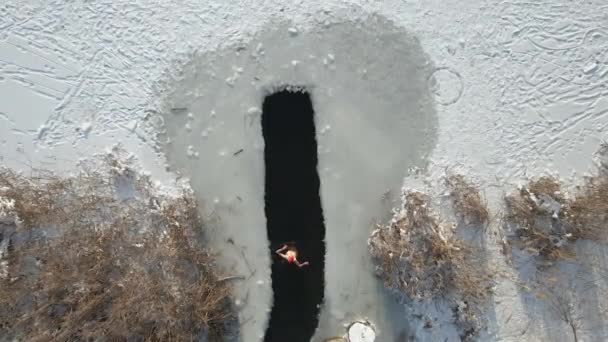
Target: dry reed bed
(103,255)
(546,222)
(417,254)
(421,257)
(467,201)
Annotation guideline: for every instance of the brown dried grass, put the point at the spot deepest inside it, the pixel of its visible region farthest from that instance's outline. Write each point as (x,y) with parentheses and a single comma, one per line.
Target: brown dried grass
(551,235)
(466,200)
(587,213)
(539,229)
(116,269)
(421,258)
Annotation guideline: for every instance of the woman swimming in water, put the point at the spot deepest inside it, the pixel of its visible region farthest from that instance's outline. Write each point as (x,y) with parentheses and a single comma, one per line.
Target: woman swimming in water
(291,255)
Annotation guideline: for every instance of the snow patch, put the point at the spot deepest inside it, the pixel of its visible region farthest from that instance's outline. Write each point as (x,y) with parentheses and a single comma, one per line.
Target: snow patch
(7,210)
(86,128)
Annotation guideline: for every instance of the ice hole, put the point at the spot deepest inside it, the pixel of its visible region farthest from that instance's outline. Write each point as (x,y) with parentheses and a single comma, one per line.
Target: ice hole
(293,214)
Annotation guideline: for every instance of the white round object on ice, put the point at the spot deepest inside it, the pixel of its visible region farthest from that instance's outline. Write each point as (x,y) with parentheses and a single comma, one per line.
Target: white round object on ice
(361,332)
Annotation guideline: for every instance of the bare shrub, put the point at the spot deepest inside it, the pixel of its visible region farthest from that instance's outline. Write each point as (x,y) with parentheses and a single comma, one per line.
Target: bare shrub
(547,223)
(587,213)
(104,255)
(422,258)
(536,213)
(418,256)
(466,200)
(561,304)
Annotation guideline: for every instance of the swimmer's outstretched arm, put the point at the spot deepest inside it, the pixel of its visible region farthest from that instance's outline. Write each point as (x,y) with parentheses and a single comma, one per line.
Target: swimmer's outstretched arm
(278,251)
(302,264)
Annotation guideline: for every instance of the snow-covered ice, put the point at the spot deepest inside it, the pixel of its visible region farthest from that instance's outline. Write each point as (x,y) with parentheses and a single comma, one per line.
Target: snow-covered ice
(519,90)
